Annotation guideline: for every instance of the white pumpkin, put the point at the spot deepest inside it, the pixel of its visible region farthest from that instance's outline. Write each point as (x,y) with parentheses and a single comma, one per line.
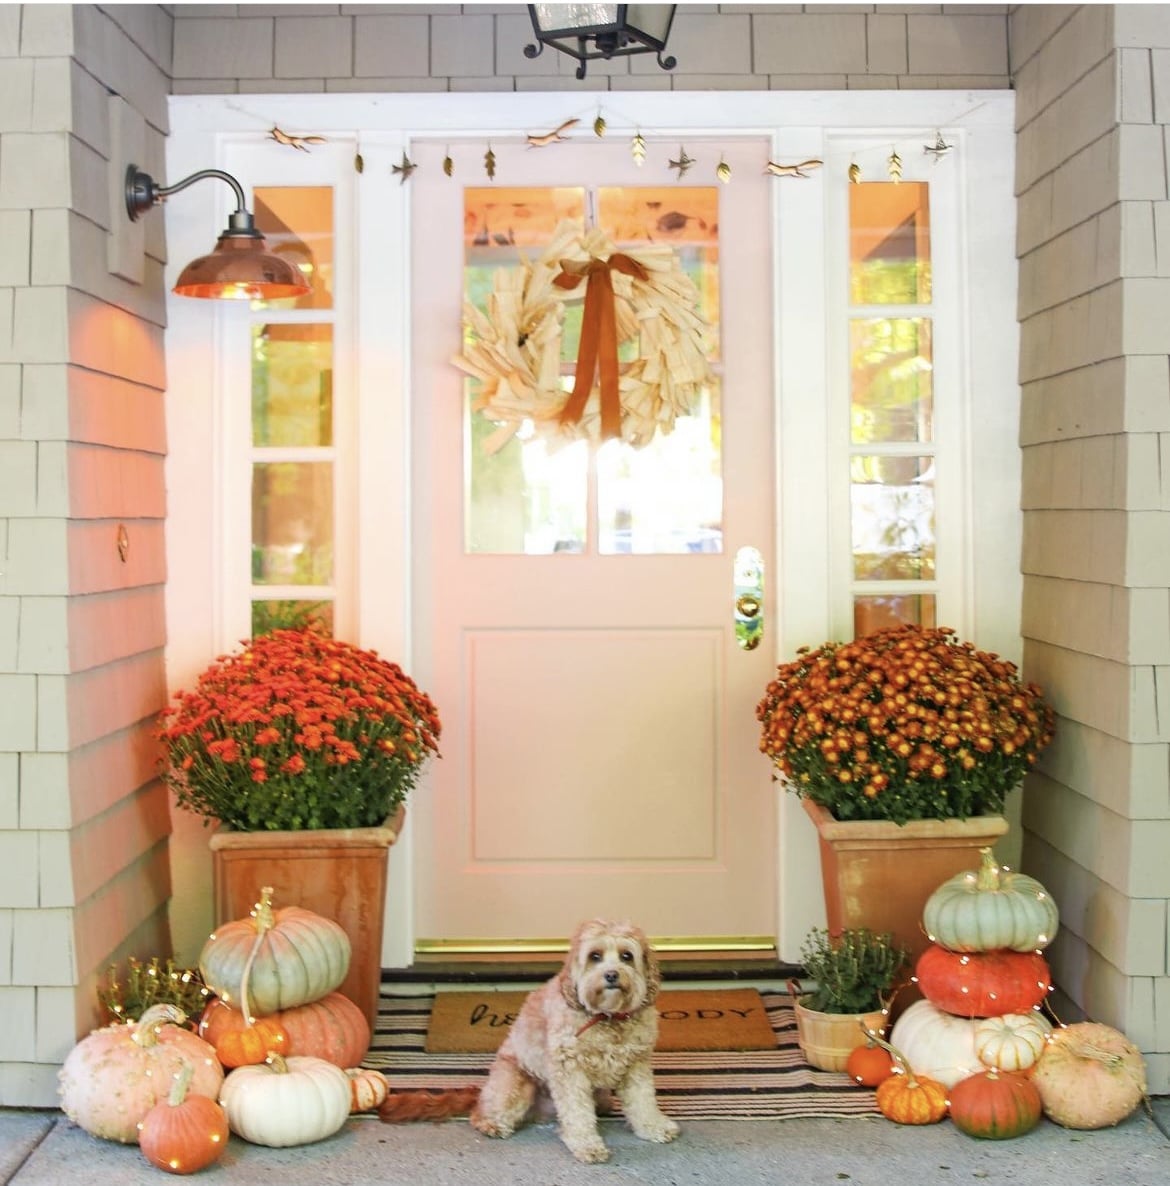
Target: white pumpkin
(937,1045)
(1089,1076)
(1012,1041)
(286,1101)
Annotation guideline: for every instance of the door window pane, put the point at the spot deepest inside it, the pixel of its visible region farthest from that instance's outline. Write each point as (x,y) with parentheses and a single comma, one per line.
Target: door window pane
(889,243)
(291,615)
(292,523)
(292,384)
(871,614)
(297,222)
(891,365)
(668,496)
(524,494)
(521,495)
(892,502)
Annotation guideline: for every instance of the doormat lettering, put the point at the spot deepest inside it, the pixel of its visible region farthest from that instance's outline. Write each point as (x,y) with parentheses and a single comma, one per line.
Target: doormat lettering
(688,1019)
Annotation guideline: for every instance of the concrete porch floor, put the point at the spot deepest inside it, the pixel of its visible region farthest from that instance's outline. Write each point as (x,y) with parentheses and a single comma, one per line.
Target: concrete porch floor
(43,1148)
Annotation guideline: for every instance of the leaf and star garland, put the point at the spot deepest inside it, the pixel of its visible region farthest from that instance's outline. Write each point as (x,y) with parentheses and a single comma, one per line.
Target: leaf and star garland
(514,347)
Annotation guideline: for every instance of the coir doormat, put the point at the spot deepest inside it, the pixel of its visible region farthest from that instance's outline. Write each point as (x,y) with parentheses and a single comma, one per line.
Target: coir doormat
(772,1084)
(699,1019)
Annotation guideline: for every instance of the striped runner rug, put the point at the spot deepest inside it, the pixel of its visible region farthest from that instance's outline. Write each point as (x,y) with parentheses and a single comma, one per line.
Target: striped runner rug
(697,1085)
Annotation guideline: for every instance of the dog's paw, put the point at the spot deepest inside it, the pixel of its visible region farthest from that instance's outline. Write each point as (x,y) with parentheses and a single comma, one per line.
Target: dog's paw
(490,1127)
(590,1152)
(661,1130)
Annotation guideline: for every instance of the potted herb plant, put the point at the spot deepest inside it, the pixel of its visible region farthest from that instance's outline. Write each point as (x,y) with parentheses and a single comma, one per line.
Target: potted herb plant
(855,973)
(303,749)
(902,747)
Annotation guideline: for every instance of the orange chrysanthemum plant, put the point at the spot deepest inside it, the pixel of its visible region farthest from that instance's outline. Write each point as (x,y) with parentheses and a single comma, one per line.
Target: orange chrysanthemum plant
(903,724)
(297,731)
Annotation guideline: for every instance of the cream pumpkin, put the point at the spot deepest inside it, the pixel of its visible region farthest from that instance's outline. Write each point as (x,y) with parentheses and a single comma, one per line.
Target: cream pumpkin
(935,1044)
(1011,1042)
(286,1101)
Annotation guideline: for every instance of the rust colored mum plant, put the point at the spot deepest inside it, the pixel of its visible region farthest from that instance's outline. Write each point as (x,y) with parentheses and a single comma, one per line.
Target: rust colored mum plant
(903,724)
(297,731)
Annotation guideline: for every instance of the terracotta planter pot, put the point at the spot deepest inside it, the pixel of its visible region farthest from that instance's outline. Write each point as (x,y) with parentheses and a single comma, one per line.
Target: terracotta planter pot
(878,874)
(339,873)
(827,1039)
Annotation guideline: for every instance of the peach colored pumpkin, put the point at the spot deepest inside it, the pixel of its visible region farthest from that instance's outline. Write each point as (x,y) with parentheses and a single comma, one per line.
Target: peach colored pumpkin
(114,1076)
(1090,1076)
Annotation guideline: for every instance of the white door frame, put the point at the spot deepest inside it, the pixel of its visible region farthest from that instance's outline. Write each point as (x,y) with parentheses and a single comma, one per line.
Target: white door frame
(383,127)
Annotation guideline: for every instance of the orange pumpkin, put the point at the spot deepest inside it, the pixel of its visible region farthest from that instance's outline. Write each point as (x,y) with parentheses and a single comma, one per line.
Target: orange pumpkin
(869,1065)
(333,1028)
(982,983)
(183,1133)
(250,1044)
(906,1098)
(996,1105)
(911,1099)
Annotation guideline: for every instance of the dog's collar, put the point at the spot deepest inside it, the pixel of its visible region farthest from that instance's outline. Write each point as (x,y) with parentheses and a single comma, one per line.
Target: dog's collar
(596,1017)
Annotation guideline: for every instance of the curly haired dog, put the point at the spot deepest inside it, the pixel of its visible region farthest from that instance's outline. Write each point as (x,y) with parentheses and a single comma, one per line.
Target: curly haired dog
(590,1028)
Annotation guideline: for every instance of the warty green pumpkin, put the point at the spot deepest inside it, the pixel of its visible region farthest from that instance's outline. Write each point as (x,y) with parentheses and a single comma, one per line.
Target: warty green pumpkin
(989,908)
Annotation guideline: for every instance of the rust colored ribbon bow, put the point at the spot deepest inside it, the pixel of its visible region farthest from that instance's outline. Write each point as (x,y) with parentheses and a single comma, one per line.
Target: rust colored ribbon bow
(598,350)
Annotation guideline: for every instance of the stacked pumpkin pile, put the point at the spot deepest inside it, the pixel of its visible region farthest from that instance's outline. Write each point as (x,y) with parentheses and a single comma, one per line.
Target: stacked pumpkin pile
(275,1059)
(978,1045)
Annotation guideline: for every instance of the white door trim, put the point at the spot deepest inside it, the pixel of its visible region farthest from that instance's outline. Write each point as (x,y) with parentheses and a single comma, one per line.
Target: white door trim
(385,126)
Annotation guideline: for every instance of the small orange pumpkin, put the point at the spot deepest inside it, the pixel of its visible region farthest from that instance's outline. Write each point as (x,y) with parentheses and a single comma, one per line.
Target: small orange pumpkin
(869,1065)
(183,1133)
(906,1098)
(368,1089)
(246,1045)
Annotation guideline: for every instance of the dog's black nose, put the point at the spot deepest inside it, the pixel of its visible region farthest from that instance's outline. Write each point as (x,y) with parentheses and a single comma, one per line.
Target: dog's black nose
(611,978)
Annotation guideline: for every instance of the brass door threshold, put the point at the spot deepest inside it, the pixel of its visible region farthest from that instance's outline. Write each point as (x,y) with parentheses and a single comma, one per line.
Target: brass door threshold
(679,948)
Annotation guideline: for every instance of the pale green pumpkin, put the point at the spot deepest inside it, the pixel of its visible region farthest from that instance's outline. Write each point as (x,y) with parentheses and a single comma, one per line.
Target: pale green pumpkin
(275,959)
(991,908)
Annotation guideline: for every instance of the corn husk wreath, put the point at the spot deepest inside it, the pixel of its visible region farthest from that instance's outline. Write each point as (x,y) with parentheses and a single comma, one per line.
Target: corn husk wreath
(514,349)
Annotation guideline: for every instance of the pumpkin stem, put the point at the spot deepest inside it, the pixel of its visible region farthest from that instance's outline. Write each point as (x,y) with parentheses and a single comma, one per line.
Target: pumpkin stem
(262,911)
(277,1063)
(987,877)
(182,1082)
(146,1031)
(898,1057)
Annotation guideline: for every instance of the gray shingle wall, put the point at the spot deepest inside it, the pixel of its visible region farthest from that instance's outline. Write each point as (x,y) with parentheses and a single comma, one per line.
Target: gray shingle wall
(228,48)
(84,868)
(1092,87)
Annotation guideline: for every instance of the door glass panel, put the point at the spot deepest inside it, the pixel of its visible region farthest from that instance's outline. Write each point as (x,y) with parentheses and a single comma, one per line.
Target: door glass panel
(521,495)
(291,615)
(526,495)
(892,502)
(891,380)
(297,222)
(293,514)
(892,405)
(889,243)
(871,614)
(292,384)
(292,523)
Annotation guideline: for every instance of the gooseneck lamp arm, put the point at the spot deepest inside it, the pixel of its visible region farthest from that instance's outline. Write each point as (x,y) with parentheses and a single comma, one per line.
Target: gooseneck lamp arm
(143,193)
(240,266)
